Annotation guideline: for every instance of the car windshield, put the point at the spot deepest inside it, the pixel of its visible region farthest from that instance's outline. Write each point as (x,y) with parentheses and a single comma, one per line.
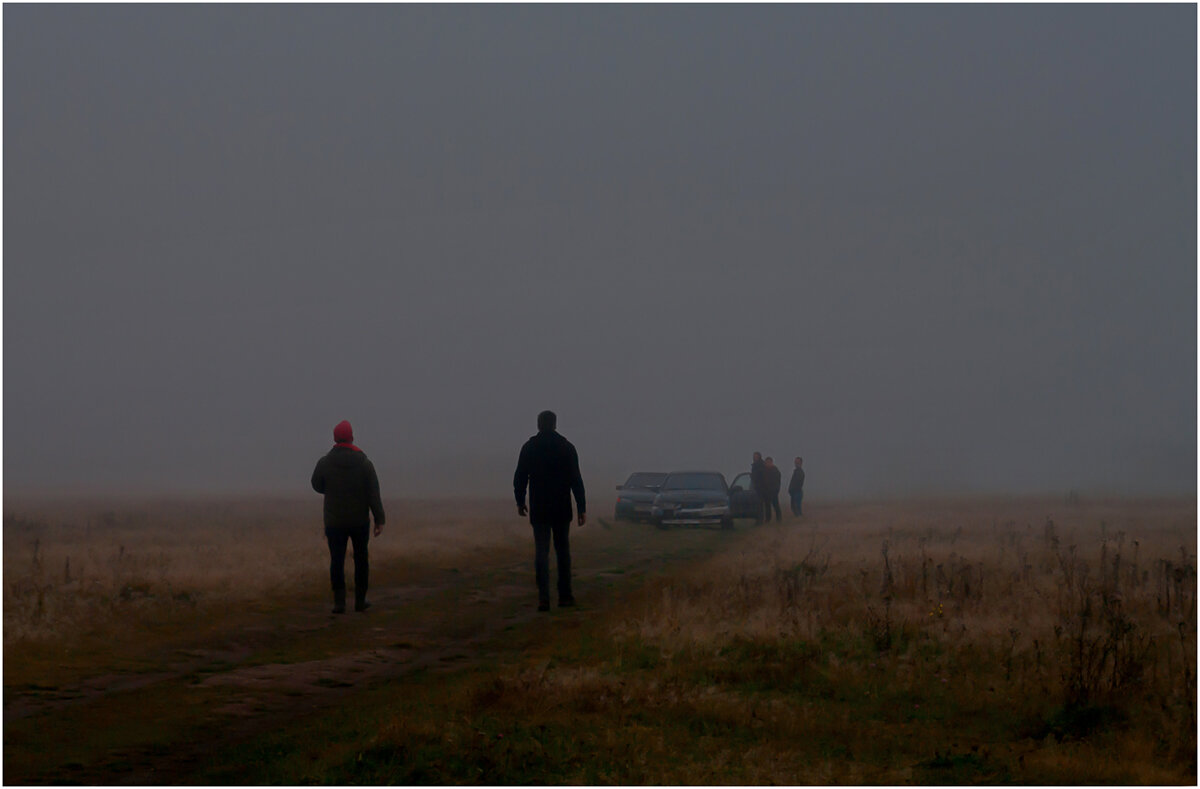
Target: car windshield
(644,479)
(698,480)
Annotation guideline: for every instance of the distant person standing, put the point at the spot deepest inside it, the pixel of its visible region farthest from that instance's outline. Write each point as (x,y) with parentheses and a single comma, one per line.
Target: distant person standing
(549,466)
(347,479)
(796,487)
(774,483)
(758,481)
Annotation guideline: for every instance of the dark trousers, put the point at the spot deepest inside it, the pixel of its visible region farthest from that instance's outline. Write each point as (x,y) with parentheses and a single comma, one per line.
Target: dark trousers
(797,500)
(768,503)
(543,533)
(337,539)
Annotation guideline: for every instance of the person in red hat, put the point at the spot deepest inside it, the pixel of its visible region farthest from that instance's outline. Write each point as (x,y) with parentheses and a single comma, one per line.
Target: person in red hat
(347,479)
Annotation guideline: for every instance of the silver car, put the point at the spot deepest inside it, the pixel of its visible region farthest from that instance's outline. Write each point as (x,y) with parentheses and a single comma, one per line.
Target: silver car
(692,498)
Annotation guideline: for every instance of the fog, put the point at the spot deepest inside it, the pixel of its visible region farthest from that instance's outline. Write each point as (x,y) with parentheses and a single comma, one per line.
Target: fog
(929,248)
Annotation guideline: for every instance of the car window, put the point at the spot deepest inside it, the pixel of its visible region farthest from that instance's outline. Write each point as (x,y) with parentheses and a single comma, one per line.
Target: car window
(742,479)
(644,480)
(695,481)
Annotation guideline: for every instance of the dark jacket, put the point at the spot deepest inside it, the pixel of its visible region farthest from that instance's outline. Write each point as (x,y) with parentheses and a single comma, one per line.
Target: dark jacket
(351,489)
(758,477)
(797,482)
(549,466)
(774,481)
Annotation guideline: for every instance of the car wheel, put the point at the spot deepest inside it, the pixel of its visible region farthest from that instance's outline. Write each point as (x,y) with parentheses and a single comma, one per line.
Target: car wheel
(727,523)
(658,522)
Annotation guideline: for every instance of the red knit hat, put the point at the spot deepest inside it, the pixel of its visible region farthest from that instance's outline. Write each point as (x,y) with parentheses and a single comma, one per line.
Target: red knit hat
(343,433)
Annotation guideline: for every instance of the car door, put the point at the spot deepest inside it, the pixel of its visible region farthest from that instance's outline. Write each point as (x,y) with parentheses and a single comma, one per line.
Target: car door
(743,501)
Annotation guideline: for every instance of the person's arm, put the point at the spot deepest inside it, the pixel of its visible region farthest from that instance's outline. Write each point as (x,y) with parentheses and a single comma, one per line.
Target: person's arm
(374,499)
(521,480)
(577,487)
(318,477)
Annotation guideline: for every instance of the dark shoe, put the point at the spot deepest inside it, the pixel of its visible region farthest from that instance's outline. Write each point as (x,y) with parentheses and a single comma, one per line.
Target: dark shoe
(543,605)
(339,601)
(360,602)
(566,602)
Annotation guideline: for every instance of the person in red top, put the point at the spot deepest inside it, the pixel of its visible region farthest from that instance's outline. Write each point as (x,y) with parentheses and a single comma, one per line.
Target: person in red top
(774,480)
(347,479)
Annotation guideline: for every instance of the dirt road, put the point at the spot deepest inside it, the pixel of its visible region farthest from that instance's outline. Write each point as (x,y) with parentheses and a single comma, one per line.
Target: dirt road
(161,721)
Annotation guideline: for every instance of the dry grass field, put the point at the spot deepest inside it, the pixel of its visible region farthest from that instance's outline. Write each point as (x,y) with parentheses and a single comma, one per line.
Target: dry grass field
(78,566)
(954,641)
(1065,621)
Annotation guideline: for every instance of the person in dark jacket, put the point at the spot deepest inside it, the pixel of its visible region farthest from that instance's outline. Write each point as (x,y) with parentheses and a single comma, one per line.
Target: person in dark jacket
(549,466)
(774,483)
(796,487)
(347,479)
(758,481)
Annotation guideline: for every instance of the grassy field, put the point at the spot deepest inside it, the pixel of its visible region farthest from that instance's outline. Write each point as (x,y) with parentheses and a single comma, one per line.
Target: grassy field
(955,641)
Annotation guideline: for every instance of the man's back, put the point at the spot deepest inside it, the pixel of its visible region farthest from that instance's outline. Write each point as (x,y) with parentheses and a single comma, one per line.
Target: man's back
(351,488)
(549,465)
(774,480)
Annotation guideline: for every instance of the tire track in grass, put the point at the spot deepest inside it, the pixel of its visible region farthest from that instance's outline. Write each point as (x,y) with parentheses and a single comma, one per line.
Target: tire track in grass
(456,618)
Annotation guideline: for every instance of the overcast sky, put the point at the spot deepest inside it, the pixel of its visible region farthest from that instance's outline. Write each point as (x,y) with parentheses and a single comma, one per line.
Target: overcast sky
(930,248)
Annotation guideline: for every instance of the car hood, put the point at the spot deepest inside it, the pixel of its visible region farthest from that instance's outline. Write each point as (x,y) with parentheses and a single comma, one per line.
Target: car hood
(690,496)
(636,494)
